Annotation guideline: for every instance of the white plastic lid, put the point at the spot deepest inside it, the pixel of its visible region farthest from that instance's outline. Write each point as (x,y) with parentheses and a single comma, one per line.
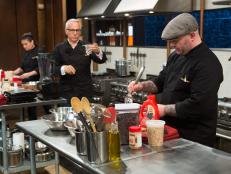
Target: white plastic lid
(155,123)
(127,106)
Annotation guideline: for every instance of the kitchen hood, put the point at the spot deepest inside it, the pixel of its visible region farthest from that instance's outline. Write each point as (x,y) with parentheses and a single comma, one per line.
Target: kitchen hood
(98,8)
(137,7)
(221,2)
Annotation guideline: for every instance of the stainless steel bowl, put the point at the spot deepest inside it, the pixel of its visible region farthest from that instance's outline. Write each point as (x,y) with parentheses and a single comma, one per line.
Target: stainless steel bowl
(54,122)
(62,113)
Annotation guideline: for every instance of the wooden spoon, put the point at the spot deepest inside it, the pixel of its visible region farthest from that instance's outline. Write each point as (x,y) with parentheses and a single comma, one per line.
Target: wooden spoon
(77,107)
(76,104)
(87,109)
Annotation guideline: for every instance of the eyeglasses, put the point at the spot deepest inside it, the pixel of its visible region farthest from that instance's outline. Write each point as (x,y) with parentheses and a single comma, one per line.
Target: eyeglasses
(74,30)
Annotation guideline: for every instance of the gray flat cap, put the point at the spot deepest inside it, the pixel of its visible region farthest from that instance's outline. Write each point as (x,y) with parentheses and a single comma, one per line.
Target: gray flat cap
(180,25)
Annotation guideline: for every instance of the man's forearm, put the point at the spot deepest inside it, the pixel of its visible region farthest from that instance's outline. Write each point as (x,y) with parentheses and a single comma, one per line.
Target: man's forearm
(170,110)
(149,86)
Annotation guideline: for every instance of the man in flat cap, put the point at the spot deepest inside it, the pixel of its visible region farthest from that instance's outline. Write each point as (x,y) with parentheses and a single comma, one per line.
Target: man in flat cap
(186,89)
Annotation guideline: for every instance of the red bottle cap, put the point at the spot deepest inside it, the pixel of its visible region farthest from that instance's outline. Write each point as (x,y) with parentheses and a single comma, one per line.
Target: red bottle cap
(134,129)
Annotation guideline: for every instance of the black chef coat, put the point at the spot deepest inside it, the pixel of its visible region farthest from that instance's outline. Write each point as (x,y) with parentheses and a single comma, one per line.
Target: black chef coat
(79,84)
(192,82)
(30,63)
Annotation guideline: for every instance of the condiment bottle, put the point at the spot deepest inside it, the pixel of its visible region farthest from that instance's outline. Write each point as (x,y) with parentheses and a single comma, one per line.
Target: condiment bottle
(114,142)
(149,110)
(135,137)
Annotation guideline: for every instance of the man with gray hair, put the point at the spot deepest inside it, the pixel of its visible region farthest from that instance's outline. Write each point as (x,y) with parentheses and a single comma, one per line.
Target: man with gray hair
(73,62)
(186,89)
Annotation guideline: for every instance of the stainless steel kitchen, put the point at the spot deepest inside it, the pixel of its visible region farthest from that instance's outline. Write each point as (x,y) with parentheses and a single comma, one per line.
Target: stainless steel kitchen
(115,86)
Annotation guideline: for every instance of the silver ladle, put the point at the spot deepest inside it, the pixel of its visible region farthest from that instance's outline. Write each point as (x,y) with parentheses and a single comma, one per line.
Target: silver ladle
(129,98)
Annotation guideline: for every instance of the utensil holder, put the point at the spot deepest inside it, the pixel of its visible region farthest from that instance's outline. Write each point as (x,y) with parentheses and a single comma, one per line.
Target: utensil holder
(97,147)
(81,143)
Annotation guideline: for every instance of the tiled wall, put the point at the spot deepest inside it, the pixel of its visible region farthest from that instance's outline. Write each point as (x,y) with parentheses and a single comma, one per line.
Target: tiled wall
(217,28)
(156,58)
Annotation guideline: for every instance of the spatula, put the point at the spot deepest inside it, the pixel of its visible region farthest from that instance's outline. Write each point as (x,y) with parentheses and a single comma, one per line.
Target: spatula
(87,109)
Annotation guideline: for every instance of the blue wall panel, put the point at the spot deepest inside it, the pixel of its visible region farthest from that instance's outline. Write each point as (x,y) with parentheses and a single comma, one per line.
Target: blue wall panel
(217,28)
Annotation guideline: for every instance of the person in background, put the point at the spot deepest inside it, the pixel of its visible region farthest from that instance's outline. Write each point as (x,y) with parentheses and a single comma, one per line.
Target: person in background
(73,62)
(28,71)
(187,87)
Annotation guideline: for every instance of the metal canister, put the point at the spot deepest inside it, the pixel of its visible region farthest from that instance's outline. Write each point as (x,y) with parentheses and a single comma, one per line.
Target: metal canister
(122,67)
(81,144)
(15,156)
(97,147)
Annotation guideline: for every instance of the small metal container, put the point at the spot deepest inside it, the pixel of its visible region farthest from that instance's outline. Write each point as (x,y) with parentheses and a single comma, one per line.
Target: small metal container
(97,147)
(122,67)
(81,144)
(15,156)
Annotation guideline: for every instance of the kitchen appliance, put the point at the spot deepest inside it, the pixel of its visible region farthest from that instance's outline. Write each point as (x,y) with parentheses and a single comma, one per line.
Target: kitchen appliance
(49,88)
(101,87)
(119,92)
(20,95)
(122,67)
(224,125)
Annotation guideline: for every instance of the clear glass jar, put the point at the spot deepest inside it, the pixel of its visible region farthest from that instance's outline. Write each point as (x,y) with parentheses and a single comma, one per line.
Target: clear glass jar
(135,137)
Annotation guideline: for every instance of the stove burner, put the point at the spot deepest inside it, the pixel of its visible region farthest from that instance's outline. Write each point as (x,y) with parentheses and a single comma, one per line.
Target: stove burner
(225,99)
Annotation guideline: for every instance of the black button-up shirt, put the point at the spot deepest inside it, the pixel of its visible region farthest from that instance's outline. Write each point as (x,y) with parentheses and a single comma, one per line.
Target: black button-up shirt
(192,82)
(79,84)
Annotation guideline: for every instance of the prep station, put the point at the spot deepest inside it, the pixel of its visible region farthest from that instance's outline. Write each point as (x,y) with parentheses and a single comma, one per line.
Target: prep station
(101,126)
(175,156)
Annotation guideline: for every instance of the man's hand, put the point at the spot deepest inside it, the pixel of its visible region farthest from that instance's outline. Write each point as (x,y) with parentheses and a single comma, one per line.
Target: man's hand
(132,87)
(69,69)
(94,48)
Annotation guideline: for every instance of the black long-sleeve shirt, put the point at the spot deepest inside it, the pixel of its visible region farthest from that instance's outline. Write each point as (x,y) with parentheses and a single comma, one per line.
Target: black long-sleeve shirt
(30,63)
(79,84)
(192,82)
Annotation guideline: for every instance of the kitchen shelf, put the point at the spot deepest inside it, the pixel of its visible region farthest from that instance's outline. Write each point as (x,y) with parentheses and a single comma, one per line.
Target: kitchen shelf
(26,166)
(109,36)
(109,33)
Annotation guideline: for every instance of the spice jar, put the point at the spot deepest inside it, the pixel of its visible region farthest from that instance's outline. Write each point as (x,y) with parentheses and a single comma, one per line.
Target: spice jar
(135,138)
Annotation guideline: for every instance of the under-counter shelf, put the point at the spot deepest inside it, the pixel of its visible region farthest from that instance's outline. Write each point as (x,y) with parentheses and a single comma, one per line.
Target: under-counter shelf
(26,166)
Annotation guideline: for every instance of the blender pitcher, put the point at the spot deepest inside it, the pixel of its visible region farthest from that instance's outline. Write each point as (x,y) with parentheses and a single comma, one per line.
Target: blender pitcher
(49,88)
(44,65)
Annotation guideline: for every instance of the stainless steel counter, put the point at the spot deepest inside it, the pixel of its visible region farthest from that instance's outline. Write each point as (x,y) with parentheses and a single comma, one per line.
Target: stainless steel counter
(176,156)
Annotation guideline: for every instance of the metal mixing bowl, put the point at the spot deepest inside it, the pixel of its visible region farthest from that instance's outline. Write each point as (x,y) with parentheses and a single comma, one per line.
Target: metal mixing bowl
(54,122)
(62,113)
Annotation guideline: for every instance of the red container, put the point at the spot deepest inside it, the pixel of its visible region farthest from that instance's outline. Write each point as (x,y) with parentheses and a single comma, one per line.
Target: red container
(149,110)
